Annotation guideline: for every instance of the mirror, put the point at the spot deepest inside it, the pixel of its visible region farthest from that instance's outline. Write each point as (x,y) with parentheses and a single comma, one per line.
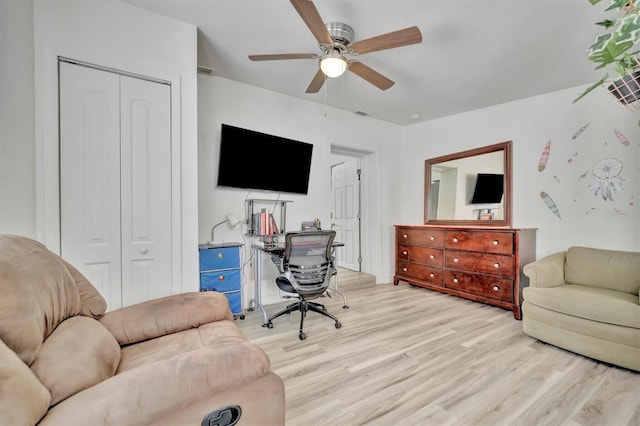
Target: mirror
(469,188)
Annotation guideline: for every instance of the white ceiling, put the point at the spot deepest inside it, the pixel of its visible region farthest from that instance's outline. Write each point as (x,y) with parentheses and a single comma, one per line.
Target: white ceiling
(474,53)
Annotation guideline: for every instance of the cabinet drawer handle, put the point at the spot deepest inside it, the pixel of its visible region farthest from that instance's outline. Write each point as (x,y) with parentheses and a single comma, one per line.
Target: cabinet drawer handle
(432,256)
(404,269)
(496,265)
(405,236)
(221,278)
(405,252)
(455,280)
(220,255)
(432,237)
(495,288)
(431,275)
(455,239)
(455,260)
(496,242)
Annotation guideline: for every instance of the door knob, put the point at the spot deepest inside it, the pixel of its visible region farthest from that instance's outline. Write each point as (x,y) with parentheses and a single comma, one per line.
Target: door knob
(143,250)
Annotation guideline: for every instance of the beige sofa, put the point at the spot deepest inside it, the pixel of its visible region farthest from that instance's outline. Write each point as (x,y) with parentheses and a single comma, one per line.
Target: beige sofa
(171,361)
(586,300)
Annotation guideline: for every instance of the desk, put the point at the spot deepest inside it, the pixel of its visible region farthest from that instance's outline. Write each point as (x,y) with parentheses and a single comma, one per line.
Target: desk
(277,250)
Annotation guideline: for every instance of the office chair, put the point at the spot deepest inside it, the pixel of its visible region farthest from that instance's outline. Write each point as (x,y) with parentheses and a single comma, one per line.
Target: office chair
(306,270)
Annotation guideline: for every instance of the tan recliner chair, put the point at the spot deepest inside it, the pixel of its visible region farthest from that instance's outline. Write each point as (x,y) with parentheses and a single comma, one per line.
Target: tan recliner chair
(586,300)
(172,360)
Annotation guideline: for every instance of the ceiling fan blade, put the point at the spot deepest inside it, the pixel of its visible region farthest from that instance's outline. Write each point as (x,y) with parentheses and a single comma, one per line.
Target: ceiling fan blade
(278,56)
(372,76)
(316,83)
(411,35)
(311,17)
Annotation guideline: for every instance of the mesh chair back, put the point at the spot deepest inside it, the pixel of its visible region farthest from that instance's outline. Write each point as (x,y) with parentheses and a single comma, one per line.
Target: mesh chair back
(308,261)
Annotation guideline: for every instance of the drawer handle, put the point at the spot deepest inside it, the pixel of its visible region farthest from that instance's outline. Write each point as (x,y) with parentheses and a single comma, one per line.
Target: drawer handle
(496,265)
(496,242)
(221,278)
(404,236)
(455,239)
(455,280)
(432,238)
(220,255)
(404,269)
(455,260)
(495,288)
(405,252)
(432,275)
(432,256)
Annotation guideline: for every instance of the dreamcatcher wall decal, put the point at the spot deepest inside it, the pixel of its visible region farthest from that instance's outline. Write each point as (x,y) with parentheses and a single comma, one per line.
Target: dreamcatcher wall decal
(608,180)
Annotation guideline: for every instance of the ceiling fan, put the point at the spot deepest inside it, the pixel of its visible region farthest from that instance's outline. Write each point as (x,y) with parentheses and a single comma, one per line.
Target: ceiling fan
(339,53)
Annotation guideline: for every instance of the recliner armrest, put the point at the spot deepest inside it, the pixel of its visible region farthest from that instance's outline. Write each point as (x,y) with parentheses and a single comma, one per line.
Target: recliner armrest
(546,272)
(166,315)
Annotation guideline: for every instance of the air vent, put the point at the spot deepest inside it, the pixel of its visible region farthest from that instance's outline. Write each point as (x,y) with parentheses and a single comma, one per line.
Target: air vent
(362,113)
(205,70)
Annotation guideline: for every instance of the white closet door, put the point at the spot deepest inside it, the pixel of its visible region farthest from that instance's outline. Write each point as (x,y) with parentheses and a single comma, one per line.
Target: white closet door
(90,176)
(146,189)
(115,178)
(346,212)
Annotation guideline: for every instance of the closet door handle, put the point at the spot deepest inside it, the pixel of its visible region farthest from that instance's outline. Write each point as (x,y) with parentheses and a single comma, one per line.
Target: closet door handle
(143,250)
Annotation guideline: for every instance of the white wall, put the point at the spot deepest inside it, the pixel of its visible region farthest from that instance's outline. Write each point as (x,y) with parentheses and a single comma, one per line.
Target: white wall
(225,101)
(530,123)
(17,133)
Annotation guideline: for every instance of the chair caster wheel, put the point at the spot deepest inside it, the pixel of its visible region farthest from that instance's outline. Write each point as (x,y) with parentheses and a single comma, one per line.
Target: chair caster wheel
(268,325)
(338,324)
(242,317)
(345,307)
(302,336)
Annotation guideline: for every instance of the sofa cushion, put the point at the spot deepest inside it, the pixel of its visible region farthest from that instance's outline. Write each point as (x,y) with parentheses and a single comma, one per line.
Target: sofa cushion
(78,354)
(23,399)
(616,270)
(592,303)
(92,304)
(38,293)
(164,347)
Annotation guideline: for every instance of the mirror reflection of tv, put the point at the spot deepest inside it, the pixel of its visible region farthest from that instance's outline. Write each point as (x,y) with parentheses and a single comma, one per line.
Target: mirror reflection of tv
(489,189)
(259,161)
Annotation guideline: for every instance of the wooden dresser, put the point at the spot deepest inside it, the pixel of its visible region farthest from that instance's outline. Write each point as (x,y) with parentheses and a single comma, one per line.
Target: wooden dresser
(478,263)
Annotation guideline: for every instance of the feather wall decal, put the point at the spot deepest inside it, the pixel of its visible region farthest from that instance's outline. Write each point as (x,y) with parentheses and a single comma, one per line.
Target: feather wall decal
(544,157)
(550,203)
(622,138)
(579,132)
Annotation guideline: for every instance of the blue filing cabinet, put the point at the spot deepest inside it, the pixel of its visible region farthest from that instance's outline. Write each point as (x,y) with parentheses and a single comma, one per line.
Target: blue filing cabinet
(220,270)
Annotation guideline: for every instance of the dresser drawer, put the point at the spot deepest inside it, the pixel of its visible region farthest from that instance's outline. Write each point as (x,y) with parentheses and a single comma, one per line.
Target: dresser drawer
(227,280)
(481,285)
(432,275)
(486,263)
(426,255)
(420,237)
(219,258)
(493,242)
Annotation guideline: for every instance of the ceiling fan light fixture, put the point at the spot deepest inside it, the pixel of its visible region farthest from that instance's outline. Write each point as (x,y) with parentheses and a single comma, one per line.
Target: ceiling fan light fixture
(333,64)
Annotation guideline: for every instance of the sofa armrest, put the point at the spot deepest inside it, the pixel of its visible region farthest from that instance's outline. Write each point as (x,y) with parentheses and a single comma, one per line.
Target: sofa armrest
(151,392)
(166,315)
(546,272)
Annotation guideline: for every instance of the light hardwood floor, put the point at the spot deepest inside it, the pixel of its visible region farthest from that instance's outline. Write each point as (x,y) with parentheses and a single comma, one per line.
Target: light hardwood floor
(410,356)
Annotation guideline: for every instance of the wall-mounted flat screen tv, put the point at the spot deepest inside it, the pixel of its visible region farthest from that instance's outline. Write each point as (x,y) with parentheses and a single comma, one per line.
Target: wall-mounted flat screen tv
(489,189)
(259,161)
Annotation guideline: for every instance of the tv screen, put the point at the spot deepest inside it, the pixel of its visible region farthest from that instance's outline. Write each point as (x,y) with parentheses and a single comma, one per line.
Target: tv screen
(255,160)
(489,189)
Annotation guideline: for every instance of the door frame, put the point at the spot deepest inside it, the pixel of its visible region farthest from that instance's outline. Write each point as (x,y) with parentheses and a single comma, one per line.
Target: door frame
(371,250)
(48,158)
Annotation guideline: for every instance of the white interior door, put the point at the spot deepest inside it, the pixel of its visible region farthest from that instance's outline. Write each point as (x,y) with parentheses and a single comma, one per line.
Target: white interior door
(345,191)
(90,176)
(145,189)
(115,182)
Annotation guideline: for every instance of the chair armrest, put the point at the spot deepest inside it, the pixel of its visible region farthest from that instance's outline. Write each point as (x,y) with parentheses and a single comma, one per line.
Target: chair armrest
(546,272)
(166,315)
